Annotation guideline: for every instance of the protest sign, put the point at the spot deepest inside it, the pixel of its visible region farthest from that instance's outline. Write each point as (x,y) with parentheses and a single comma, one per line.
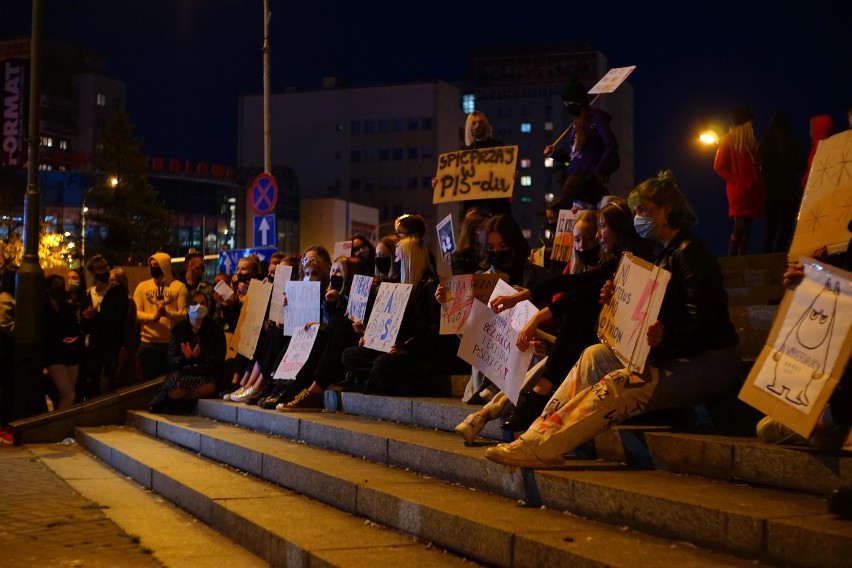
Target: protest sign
(485,173)
(359,293)
(623,322)
(461,291)
(563,240)
(257,299)
(341,248)
(807,349)
(297,353)
(223,290)
(279,287)
(488,343)
(612,80)
(538,256)
(446,237)
(521,313)
(827,202)
(303,305)
(386,316)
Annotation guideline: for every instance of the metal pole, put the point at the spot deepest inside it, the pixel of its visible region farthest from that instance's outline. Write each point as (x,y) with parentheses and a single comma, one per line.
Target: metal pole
(267,137)
(29,294)
(83,225)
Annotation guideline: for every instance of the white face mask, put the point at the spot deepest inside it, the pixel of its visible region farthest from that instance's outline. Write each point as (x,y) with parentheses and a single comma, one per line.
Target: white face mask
(196,314)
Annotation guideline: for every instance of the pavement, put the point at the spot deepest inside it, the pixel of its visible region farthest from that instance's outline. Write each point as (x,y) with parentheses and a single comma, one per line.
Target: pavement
(96,518)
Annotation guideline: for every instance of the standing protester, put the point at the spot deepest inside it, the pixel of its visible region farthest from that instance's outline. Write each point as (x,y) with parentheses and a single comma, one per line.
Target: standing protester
(7,348)
(781,163)
(63,340)
(160,304)
(103,311)
(737,163)
(193,276)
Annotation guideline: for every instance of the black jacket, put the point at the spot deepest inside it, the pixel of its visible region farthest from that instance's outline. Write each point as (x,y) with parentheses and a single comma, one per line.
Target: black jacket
(212,358)
(106,330)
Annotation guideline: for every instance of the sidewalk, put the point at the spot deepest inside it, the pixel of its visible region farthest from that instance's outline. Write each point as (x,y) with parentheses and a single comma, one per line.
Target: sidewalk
(44,522)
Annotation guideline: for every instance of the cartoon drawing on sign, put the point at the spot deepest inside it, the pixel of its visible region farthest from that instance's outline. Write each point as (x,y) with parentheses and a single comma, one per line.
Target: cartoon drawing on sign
(807,344)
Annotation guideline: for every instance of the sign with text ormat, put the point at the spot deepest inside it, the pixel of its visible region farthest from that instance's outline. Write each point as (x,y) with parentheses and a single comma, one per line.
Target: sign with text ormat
(624,320)
(257,299)
(386,317)
(807,350)
(488,343)
(485,173)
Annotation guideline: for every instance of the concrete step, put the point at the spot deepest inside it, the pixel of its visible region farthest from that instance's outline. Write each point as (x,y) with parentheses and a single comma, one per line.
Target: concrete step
(280,526)
(706,453)
(748,521)
(484,527)
(774,263)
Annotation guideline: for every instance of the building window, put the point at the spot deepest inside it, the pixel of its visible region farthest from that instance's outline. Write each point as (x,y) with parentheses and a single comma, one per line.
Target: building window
(526,163)
(63,144)
(369,127)
(355,127)
(412,153)
(384,154)
(427,123)
(468,103)
(355,156)
(370,155)
(398,125)
(384,125)
(426,181)
(339,127)
(548,162)
(355,185)
(548,126)
(526,127)
(526,181)
(413,123)
(384,183)
(370,184)
(427,152)
(412,182)
(398,153)
(100,100)
(397,182)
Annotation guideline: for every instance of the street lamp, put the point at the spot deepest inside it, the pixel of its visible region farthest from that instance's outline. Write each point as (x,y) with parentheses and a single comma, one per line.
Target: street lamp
(709,137)
(112,181)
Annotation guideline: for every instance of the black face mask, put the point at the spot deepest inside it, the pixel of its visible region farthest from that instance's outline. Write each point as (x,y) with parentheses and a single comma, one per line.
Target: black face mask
(589,257)
(243,277)
(361,252)
(336,282)
(383,264)
(102,277)
(501,258)
(156,272)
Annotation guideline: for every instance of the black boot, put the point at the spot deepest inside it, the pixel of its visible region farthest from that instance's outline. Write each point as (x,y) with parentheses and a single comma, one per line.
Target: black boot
(530,405)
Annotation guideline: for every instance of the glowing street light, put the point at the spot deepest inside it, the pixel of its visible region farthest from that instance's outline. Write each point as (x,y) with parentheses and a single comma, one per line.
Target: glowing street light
(709,137)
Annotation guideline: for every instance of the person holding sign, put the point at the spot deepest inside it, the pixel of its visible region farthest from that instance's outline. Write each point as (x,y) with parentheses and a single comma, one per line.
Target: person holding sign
(593,146)
(694,346)
(470,248)
(419,352)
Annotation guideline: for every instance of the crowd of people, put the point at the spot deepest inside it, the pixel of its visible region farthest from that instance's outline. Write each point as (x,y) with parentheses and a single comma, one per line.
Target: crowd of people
(180,327)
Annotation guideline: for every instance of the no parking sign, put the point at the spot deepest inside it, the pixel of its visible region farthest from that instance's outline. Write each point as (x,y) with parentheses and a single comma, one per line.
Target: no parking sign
(264,194)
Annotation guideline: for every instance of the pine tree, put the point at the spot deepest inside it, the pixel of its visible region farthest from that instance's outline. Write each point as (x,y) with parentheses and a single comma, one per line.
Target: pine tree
(135,221)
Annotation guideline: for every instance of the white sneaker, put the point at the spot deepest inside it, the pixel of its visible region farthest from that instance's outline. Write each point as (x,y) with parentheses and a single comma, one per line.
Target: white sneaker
(770,431)
(470,428)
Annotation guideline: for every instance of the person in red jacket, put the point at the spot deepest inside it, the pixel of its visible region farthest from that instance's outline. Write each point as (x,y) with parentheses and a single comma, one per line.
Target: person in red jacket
(737,163)
(822,126)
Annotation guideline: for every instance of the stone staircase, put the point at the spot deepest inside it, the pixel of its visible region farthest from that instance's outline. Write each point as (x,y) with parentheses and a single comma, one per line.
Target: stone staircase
(381,477)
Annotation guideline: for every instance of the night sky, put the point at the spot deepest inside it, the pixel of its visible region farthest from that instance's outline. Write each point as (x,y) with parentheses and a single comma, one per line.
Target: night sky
(186,62)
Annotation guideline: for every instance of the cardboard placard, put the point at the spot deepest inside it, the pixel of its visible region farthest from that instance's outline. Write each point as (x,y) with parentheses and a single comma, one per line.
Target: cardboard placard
(359,293)
(612,80)
(283,273)
(520,313)
(257,299)
(807,350)
(537,256)
(303,305)
(341,248)
(461,291)
(827,202)
(563,240)
(297,352)
(623,323)
(488,343)
(386,317)
(485,173)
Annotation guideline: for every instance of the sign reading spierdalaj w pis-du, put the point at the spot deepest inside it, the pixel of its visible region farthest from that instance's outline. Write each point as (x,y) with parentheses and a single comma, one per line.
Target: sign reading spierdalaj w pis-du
(484,173)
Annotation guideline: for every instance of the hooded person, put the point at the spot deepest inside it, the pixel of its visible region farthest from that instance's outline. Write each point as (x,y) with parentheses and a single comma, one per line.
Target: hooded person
(160,304)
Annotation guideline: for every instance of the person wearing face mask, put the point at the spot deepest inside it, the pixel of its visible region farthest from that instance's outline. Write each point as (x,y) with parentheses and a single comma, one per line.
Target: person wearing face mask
(63,341)
(104,309)
(196,358)
(470,248)
(363,249)
(160,304)
(592,146)
(694,356)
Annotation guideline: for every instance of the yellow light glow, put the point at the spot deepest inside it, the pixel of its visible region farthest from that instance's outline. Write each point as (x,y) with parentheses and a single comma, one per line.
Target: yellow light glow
(709,137)
(113,181)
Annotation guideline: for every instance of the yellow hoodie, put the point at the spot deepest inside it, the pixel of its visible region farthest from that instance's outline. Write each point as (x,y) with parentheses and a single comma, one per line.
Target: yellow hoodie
(150,294)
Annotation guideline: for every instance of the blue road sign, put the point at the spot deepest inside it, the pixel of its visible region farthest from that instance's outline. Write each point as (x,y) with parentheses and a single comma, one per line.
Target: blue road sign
(228,259)
(264,194)
(264,231)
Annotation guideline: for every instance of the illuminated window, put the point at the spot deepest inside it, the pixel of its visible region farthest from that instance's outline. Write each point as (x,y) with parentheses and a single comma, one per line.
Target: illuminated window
(526,162)
(468,103)
(101,100)
(63,144)
(526,181)
(548,126)
(548,162)
(526,127)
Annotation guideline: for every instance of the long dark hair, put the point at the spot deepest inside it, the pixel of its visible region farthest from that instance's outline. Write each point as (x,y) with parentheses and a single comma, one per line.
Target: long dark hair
(511,234)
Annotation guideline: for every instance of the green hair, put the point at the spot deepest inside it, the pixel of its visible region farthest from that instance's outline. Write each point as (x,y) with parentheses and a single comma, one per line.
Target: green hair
(663,191)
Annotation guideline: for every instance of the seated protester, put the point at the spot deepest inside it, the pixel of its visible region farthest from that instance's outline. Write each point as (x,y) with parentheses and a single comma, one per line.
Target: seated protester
(577,308)
(196,359)
(384,263)
(470,248)
(417,357)
(507,251)
(341,334)
(269,344)
(312,252)
(247,268)
(694,354)
(413,225)
(257,384)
